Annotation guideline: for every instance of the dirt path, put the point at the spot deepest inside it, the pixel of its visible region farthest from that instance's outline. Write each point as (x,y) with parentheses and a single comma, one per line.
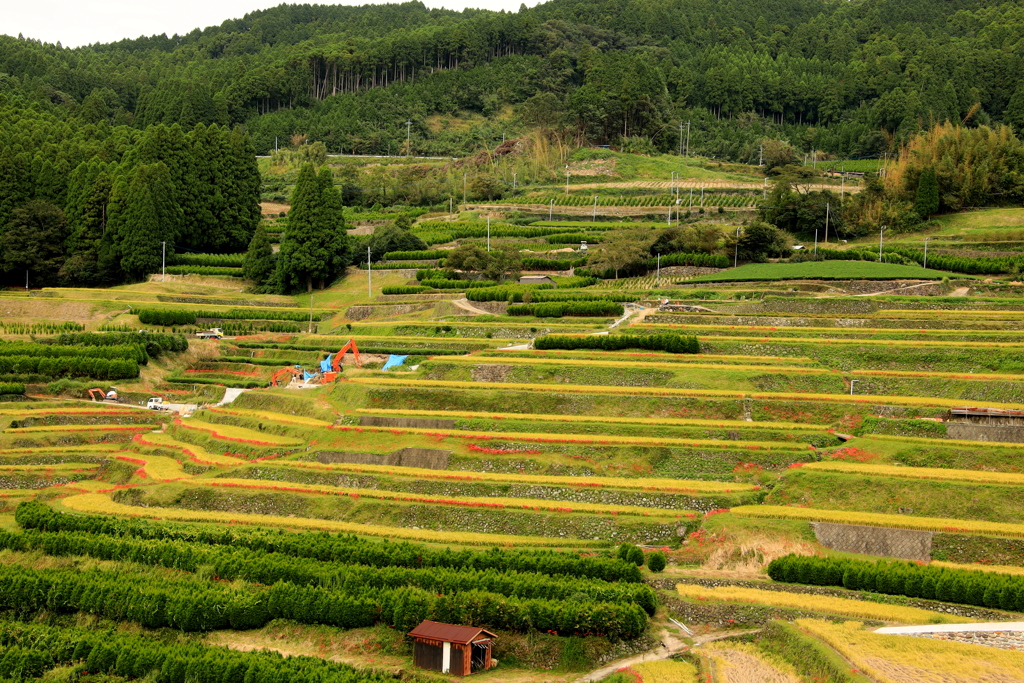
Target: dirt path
(742,667)
(466,306)
(900,290)
(959,291)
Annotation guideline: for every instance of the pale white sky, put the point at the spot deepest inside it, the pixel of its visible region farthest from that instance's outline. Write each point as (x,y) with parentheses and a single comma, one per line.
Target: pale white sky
(82,22)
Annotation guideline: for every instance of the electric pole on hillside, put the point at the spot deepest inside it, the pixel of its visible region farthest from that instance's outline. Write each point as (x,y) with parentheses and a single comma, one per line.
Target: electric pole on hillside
(369,273)
(760,156)
(687,138)
(163,262)
(408,138)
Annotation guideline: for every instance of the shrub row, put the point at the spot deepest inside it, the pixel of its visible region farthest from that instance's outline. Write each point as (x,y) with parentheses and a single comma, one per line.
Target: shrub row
(512,293)
(673,343)
(189,604)
(69,366)
(447,350)
(11,388)
(962,586)
(335,548)
(415,255)
(218,271)
(32,650)
(134,351)
(569,308)
(229,564)
(179,316)
(552,264)
(214,260)
(155,343)
(577,295)
(575,281)
(399,265)
(573,238)
(443,283)
(40,328)
(979,265)
(403,290)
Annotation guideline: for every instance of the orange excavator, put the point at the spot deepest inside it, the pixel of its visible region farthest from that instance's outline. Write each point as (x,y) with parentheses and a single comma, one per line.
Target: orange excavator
(336,363)
(100,395)
(289,371)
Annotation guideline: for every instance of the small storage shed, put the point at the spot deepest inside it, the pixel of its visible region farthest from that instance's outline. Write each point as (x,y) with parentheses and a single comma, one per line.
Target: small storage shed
(452,649)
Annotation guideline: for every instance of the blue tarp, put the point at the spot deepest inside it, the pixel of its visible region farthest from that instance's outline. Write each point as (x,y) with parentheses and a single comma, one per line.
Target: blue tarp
(308,375)
(325,365)
(394,362)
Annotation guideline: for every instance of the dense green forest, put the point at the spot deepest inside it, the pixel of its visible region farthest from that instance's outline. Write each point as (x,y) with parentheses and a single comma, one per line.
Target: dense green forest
(110,150)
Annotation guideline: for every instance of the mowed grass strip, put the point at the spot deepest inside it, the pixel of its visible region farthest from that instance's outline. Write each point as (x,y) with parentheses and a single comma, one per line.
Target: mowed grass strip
(987,377)
(680,359)
(547,417)
(584,363)
(81,428)
(869,399)
(104,448)
(601,439)
(692,487)
(859,609)
(939,524)
(39,412)
(272,417)
(239,434)
(840,331)
(924,440)
(101,504)
(933,473)
(485,502)
(196,454)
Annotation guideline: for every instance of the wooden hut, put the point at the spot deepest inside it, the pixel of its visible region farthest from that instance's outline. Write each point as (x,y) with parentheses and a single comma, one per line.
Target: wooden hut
(452,649)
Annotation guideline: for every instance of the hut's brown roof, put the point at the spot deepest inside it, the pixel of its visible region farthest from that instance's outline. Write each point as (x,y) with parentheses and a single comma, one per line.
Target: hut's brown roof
(435,630)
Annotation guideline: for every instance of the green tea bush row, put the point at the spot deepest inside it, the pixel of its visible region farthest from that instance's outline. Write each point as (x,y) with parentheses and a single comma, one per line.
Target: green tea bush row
(574,281)
(568,308)
(961,586)
(552,264)
(10,388)
(403,290)
(230,564)
(577,295)
(672,343)
(40,328)
(156,343)
(457,284)
(33,649)
(513,293)
(135,352)
(978,265)
(180,316)
(218,271)
(334,548)
(415,255)
(193,605)
(574,238)
(398,265)
(214,260)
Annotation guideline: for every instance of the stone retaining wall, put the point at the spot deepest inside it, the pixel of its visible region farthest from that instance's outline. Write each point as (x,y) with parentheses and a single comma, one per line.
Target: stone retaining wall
(1004,640)
(977,432)
(427,458)
(406,422)
(872,540)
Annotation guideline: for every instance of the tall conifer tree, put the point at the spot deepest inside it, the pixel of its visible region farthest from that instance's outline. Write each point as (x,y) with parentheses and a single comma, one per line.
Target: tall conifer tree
(315,245)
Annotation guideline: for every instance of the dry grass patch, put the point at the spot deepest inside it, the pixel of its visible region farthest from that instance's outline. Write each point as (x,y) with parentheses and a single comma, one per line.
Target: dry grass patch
(906,659)
(666,671)
(196,454)
(934,473)
(272,417)
(744,663)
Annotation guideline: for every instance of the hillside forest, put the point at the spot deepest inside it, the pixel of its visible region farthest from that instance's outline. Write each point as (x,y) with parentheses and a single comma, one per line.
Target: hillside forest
(115,156)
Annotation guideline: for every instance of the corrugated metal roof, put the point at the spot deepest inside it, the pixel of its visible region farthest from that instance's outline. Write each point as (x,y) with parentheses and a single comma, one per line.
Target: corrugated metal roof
(450,632)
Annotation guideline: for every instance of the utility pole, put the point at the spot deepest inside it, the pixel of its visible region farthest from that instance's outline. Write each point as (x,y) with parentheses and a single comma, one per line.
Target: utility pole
(842,190)
(551,209)
(595,208)
(488,233)
(311,307)
(369,273)
(880,231)
(451,215)
(163,263)
(690,210)
(463,189)
(567,179)
(680,138)
(687,138)
(659,268)
(736,251)
(925,252)
(764,190)
(760,156)
(408,138)
(815,242)
(514,181)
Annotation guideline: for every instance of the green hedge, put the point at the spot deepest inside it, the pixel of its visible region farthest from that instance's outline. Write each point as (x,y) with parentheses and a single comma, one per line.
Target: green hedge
(683,259)
(155,343)
(403,290)
(219,271)
(569,308)
(31,650)
(513,293)
(180,316)
(673,343)
(134,352)
(574,238)
(441,283)
(895,577)
(552,264)
(415,255)
(214,260)
(11,388)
